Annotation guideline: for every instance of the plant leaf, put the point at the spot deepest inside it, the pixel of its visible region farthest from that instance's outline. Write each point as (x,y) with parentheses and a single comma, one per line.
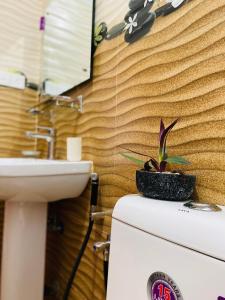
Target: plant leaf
(178,160)
(163,138)
(133,159)
(155,164)
(162,128)
(152,160)
(162,166)
(135,152)
(148,166)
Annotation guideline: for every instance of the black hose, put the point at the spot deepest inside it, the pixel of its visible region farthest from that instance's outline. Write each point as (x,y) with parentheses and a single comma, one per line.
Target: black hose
(77,262)
(93,202)
(106,269)
(94,189)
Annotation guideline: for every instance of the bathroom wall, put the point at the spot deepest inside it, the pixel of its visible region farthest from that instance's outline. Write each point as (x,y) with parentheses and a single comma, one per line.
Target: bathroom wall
(19,50)
(176,70)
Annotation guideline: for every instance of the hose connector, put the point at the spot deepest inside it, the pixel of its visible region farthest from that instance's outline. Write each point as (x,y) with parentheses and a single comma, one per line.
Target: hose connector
(105,248)
(101,246)
(101,214)
(94,190)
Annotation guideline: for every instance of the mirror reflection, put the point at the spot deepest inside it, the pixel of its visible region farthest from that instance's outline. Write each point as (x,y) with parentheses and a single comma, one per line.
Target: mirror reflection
(20,47)
(52,54)
(67,45)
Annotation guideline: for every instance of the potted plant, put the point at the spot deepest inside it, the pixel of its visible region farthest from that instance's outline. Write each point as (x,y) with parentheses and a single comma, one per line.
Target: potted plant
(155,181)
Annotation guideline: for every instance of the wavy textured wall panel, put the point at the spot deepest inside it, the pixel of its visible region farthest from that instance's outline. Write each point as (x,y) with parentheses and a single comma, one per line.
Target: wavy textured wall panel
(177,70)
(14,121)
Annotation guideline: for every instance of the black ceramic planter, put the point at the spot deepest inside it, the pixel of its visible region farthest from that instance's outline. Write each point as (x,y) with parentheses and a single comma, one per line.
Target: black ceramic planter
(165,186)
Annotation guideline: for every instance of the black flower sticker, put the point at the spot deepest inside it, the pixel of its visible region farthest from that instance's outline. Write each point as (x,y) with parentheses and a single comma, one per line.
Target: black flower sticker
(132,23)
(148,1)
(138,21)
(176,3)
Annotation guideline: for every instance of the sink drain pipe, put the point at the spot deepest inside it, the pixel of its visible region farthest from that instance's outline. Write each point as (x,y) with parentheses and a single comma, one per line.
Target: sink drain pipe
(93,203)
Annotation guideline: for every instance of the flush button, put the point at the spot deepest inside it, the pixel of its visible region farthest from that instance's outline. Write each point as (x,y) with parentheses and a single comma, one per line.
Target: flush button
(202,206)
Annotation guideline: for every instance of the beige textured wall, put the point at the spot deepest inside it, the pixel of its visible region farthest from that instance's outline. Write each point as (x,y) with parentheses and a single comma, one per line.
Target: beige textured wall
(175,71)
(15,121)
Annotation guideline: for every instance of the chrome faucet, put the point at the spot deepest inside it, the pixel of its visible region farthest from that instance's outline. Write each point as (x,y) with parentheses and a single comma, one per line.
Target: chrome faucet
(49,136)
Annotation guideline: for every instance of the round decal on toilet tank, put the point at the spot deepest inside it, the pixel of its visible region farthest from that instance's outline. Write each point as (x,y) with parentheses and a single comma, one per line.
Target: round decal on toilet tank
(162,287)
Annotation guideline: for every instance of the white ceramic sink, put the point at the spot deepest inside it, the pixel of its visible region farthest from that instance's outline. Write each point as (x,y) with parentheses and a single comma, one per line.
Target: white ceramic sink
(27,185)
(38,180)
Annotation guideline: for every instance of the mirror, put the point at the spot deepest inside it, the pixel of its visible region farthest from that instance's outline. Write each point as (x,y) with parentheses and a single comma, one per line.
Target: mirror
(20,47)
(53,57)
(67,45)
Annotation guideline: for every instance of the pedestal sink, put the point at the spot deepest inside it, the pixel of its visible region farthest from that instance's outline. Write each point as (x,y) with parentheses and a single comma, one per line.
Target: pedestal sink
(26,186)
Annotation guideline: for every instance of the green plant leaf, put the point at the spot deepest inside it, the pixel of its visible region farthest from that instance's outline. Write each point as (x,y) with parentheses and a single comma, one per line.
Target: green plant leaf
(178,160)
(153,161)
(133,159)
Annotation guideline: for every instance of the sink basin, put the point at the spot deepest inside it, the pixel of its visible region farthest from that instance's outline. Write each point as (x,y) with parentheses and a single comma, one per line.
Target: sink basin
(37,180)
(26,186)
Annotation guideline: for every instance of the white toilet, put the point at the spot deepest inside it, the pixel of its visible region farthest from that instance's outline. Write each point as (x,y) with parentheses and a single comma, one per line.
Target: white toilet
(164,250)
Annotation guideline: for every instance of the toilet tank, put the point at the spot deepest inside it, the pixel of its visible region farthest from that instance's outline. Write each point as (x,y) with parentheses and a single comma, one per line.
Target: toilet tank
(164,250)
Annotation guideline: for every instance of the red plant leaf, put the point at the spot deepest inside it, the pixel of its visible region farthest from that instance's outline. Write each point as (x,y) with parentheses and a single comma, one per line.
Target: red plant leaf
(162,166)
(162,128)
(163,138)
(135,152)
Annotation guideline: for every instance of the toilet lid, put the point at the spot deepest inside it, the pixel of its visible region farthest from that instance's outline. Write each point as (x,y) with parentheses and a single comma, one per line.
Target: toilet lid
(199,230)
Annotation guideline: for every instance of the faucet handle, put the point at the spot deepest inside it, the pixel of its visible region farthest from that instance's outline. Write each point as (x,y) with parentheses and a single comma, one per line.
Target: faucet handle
(50,130)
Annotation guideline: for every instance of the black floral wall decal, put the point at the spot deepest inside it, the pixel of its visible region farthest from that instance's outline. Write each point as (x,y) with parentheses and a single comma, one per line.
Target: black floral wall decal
(170,7)
(115,30)
(99,34)
(138,21)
